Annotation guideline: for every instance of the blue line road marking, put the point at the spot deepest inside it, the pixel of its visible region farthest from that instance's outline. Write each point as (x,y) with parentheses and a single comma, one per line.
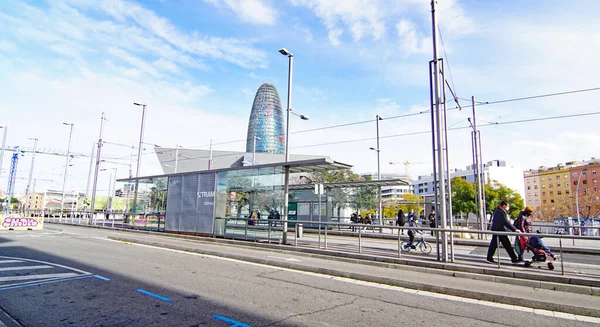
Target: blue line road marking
(234,323)
(166,299)
(102,278)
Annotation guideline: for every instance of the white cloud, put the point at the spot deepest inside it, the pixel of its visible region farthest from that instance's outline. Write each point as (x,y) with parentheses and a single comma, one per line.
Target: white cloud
(7,46)
(411,41)
(160,30)
(251,11)
(361,17)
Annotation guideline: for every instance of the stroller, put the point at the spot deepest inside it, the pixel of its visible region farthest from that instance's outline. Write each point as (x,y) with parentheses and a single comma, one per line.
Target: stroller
(541,253)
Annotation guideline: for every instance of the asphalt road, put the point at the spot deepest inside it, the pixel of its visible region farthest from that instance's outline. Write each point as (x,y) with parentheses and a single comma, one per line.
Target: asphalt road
(78,277)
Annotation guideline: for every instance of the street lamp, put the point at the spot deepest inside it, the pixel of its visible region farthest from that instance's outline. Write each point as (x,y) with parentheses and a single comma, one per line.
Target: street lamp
(286,177)
(379,213)
(254,150)
(139,159)
(62,199)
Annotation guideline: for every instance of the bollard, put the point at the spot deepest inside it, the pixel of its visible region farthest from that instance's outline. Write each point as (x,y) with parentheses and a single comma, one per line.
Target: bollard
(359,240)
(326,236)
(562,267)
(300,230)
(269,233)
(296,235)
(399,244)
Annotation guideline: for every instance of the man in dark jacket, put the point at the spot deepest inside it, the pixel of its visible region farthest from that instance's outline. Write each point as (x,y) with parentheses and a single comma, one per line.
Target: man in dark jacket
(501,223)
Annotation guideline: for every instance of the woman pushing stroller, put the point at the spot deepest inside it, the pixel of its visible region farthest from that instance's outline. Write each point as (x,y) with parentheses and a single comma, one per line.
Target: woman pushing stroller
(541,252)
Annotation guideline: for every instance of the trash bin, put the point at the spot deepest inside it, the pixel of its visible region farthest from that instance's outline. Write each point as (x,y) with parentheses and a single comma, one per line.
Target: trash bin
(299,230)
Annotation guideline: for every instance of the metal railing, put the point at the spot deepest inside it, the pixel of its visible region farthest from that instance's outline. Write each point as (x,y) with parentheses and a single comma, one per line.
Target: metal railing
(272,231)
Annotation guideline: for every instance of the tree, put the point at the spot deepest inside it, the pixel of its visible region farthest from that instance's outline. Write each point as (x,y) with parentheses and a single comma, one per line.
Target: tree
(157,195)
(463,196)
(341,197)
(496,192)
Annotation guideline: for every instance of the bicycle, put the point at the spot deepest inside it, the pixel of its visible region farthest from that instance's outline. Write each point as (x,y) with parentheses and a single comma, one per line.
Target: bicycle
(425,247)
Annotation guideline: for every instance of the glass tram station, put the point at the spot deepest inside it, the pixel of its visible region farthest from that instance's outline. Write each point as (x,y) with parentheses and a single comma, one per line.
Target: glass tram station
(236,202)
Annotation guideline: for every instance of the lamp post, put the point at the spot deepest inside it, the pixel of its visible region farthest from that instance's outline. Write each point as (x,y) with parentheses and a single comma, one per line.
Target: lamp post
(62,198)
(378,187)
(377,119)
(96,169)
(254,150)
(286,177)
(35,142)
(139,158)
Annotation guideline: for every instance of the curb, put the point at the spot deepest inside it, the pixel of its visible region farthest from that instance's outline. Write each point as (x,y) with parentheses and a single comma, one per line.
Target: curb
(479,295)
(570,284)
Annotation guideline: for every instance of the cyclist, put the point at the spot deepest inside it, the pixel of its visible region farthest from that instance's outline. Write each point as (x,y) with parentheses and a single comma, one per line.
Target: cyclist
(414,222)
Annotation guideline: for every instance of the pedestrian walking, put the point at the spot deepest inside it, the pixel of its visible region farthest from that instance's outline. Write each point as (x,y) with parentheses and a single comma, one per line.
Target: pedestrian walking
(431,219)
(501,223)
(401,221)
(524,224)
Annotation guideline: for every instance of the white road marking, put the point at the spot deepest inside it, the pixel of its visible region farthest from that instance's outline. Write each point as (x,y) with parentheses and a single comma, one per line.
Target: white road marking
(286,259)
(25,268)
(51,264)
(10,261)
(385,286)
(40,277)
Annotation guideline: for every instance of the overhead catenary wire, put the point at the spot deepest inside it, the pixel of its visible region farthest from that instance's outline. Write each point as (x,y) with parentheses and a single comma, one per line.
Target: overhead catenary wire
(479,103)
(420,132)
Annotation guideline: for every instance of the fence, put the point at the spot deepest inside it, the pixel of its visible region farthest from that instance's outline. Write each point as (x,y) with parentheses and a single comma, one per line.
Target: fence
(358,238)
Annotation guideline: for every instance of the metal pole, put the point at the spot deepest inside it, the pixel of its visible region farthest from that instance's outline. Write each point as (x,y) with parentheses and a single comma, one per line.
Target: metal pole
(96,170)
(434,153)
(35,142)
(87,189)
(139,157)
(380,213)
(478,164)
(3,146)
(62,199)
(286,190)
(449,185)
(319,187)
(439,138)
(286,181)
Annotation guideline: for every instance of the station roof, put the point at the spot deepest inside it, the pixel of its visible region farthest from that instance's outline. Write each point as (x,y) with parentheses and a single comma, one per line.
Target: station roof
(299,166)
(384,182)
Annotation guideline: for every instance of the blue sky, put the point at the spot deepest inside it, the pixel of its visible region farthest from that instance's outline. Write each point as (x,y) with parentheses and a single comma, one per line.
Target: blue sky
(197,64)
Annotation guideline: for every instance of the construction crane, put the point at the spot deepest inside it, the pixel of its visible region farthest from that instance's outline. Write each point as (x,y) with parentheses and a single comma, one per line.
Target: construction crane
(406,164)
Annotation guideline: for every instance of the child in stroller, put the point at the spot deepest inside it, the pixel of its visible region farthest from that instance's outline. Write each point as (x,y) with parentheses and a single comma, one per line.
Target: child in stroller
(541,253)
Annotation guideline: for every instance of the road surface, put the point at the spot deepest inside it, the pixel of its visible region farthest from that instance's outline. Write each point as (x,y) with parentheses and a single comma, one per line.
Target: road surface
(79,277)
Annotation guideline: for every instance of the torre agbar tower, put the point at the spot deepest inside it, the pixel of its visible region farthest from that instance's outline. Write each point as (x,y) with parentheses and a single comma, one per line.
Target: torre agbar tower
(266,122)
